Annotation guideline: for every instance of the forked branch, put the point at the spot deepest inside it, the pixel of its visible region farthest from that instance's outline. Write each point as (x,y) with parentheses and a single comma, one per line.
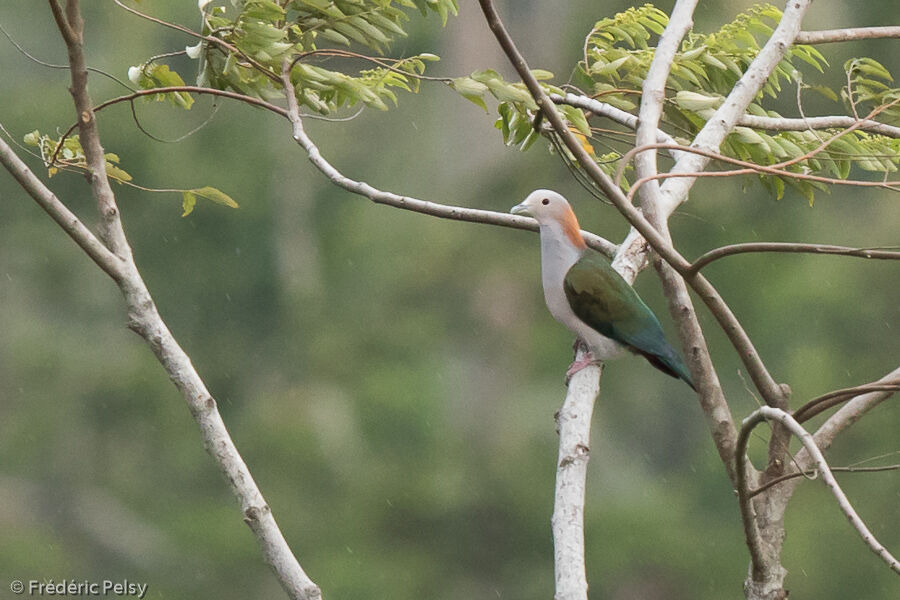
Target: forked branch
(818,459)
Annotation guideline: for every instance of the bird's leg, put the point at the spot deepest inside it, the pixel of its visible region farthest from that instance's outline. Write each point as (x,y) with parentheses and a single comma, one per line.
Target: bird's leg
(585,359)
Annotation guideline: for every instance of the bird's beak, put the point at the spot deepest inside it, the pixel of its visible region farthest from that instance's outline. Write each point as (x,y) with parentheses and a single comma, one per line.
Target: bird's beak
(520,209)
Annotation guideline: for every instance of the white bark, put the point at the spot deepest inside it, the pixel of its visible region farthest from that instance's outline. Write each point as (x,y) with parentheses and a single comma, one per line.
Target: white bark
(574,424)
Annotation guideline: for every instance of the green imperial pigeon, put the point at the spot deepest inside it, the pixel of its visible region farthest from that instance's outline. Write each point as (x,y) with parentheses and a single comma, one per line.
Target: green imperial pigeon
(585,294)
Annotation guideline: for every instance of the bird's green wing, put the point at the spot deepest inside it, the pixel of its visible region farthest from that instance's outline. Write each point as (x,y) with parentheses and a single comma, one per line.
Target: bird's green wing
(602,299)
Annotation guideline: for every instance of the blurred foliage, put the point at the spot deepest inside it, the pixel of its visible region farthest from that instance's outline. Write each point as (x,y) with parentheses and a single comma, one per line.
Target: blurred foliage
(391,378)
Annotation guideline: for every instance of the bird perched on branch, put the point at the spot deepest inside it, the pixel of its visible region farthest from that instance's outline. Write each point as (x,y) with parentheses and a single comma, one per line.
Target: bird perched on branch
(585,294)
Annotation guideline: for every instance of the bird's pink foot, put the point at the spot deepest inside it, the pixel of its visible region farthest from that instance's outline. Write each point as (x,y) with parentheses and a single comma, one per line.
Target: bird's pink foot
(586,360)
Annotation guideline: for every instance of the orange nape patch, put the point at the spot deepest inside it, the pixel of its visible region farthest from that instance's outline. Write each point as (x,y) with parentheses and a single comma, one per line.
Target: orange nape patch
(572,229)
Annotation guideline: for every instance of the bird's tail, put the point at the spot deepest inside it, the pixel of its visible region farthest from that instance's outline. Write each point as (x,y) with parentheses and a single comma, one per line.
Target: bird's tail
(671,364)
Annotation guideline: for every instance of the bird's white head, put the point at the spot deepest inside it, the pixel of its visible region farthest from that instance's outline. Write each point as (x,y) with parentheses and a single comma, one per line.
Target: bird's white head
(551,209)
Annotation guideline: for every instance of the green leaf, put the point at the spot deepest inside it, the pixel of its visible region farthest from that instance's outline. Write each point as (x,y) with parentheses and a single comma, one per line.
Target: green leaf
(334,36)
(825,91)
(369,29)
(163,76)
(541,74)
(695,102)
(576,117)
(116,173)
(873,67)
(351,32)
(326,7)
(188,202)
(471,90)
(217,196)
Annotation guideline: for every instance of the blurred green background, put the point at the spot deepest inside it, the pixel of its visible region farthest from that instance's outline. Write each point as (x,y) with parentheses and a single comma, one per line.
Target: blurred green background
(391,378)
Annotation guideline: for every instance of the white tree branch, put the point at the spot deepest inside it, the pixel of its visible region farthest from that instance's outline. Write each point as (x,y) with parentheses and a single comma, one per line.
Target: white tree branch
(850,34)
(627,119)
(825,122)
(574,426)
(653,94)
(817,459)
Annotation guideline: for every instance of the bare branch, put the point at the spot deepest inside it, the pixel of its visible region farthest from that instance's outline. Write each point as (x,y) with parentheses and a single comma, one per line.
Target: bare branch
(790,247)
(62,22)
(852,411)
(757,122)
(145,320)
(775,414)
(808,123)
(744,481)
(443,211)
(850,34)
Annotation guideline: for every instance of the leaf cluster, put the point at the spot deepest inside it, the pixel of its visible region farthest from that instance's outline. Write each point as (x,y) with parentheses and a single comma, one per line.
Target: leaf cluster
(251,39)
(867,84)
(70,155)
(618,52)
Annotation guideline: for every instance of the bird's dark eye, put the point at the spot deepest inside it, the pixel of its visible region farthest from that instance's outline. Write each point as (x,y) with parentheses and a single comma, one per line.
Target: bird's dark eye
(545,201)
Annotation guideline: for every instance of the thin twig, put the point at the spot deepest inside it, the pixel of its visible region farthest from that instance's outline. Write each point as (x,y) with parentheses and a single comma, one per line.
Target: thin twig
(790,247)
(749,168)
(826,401)
(850,34)
(43,63)
(615,114)
(812,474)
(192,89)
(852,411)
